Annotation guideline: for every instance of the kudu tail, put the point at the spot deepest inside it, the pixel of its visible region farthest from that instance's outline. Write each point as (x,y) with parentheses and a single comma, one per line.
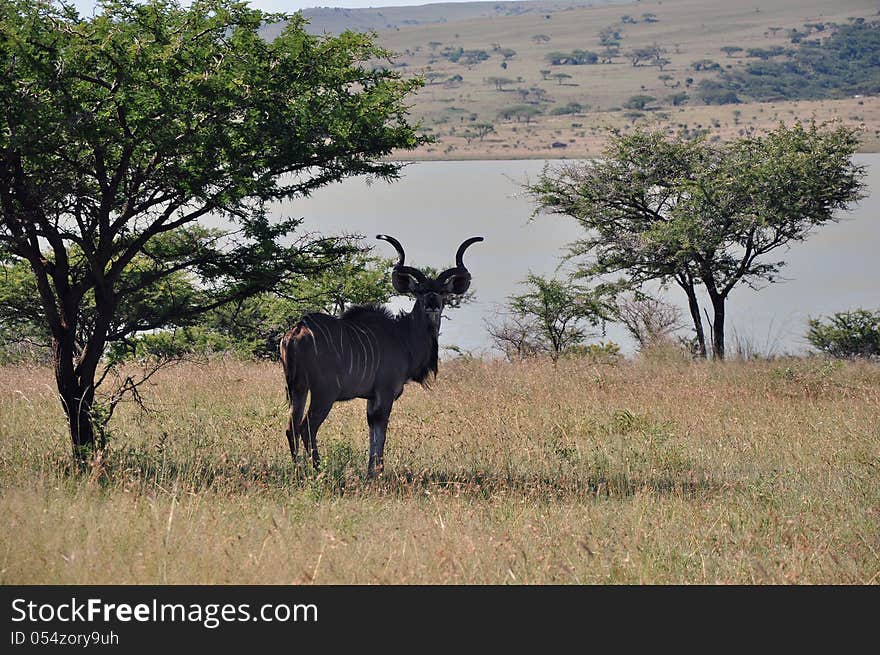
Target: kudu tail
(295,379)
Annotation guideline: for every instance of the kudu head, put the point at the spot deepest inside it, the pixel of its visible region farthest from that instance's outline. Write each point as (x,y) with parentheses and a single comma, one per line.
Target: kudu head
(431,294)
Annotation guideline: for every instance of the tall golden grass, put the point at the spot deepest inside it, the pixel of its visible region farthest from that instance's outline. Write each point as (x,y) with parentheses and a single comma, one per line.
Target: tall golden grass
(650,471)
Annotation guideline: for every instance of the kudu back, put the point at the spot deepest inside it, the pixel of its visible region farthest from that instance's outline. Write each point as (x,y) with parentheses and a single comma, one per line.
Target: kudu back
(366,353)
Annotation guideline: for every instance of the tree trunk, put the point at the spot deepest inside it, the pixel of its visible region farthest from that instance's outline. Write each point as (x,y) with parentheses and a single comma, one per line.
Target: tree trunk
(75,372)
(77,396)
(78,405)
(694,307)
(718,325)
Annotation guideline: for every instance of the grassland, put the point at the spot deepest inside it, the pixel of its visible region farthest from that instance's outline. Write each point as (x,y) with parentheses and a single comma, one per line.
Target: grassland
(686,30)
(649,471)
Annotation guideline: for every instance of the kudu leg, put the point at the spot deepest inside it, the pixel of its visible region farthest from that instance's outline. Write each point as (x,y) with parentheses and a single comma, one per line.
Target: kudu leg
(309,431)
(296,404)
(292,436)
(377,418)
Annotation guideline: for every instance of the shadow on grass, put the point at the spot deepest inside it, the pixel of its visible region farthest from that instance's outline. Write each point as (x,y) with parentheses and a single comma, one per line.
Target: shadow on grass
(343,474)
(581,482)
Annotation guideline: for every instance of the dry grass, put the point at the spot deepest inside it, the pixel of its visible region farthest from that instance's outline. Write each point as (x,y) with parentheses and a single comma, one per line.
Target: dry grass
(644,472)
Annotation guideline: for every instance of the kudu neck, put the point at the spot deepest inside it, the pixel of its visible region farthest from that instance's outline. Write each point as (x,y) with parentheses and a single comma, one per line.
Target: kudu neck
(423,346)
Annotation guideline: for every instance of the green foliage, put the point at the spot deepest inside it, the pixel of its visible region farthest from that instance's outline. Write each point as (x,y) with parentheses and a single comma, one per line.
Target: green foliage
(570,108)
(694,212)
(705,65)
(552,317)
(252,327)
(520,112)
(843,64)
(602,352)
(573,58)
(120,131)
(464,57)
(561,77)
(712,92)
(610,37)
(478,131)
(766,53)
(639,101)
(847,334)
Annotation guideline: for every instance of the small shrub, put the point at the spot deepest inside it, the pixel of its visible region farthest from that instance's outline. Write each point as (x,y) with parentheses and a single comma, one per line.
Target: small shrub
(847,334)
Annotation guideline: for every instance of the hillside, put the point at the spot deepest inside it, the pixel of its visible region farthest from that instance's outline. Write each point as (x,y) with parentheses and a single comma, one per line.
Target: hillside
(535,79)
(335,19)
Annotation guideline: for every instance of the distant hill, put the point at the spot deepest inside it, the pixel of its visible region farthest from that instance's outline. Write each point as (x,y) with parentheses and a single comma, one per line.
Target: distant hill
(334,20)
(540,78)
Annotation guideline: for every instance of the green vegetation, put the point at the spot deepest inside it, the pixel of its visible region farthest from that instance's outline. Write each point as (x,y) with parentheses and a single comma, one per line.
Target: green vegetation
(552,318)
(712,92)
(843,64)
(520,112)
(573,58)
(694,212)
(119,132)
(639,102)
(705,65)
(570,108)
(847,334)
(465,57)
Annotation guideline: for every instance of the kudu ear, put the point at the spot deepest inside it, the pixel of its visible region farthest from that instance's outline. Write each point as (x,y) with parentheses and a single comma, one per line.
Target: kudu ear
(403,282)
(457,283)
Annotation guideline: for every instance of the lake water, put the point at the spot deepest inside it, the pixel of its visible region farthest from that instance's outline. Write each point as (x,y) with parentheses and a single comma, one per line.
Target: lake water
(434,206)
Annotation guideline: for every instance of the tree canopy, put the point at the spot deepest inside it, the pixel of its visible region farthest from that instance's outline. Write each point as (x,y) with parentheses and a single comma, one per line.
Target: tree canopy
(705,214)
(119,132)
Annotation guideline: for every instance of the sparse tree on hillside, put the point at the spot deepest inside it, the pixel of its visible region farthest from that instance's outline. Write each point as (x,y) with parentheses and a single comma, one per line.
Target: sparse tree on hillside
(639,102)
(520,112)
(561,77)
(637,55)
(478,131)
(499,82)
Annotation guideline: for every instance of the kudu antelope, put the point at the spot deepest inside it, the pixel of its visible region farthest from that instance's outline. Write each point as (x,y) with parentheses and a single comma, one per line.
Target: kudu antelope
(366,353)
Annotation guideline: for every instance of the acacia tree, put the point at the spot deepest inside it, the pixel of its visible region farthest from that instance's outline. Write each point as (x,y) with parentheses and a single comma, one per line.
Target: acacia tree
(551,317)
(124,128)
(697,213)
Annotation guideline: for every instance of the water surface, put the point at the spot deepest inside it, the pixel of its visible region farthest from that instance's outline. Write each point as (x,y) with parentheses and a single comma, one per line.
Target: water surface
(436,205)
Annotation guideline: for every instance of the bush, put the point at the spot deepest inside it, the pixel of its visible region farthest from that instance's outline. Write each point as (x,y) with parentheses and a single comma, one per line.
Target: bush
(602,352)
(847,334)
(570,108)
